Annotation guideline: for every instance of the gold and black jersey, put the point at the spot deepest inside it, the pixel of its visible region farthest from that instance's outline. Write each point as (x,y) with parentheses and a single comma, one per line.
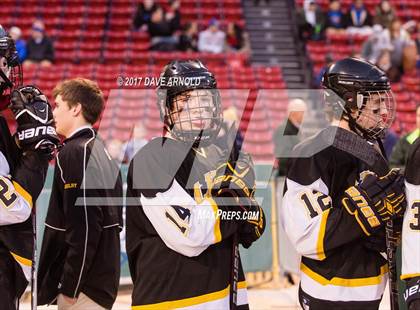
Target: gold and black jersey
(179,255)
(336,263)
(411,227)
(22,177)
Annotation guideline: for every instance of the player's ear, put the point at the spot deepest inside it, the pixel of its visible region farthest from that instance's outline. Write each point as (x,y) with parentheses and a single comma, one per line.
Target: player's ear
(76,110)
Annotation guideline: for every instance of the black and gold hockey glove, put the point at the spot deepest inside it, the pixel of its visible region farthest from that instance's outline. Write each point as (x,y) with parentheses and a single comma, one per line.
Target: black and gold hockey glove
(236,179)
(253,225)
(33,113)
(376,200)
(377,241)
(234,186)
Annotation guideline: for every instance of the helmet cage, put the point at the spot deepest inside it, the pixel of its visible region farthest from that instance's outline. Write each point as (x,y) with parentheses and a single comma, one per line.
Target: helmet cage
(11,75)
(343,94)
(206,113)
(378,121)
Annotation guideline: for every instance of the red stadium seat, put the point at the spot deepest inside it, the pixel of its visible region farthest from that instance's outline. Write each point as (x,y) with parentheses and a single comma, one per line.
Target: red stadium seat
(95,23)
(88,56)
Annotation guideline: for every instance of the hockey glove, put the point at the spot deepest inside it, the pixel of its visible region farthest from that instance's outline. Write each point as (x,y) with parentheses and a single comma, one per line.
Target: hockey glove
(236,179)
(412,294)
(33,113)
(376,200)
(234,185)
(377,241)
(253,225)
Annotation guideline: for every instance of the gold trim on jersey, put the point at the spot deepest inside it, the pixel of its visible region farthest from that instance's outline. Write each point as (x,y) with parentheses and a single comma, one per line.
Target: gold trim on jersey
(321,235)
(23,193)
(217,233)
(409,275)
(344,282)
(188,302)
(242,284)
(21,260)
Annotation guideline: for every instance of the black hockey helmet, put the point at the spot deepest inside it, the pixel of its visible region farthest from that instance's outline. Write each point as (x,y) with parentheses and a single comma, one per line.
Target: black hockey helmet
(354,82)
(10,68)
(179,78)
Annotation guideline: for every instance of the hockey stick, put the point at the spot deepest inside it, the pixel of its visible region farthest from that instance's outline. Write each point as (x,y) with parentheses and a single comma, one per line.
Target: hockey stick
(391,251)
(232,136)
(34,282)
(234,277)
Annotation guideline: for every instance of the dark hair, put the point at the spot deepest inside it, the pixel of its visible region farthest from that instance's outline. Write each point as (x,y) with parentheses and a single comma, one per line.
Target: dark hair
(85,92)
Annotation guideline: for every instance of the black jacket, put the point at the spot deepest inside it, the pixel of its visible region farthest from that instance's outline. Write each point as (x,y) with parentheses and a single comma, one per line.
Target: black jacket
(81,245)
(40,51)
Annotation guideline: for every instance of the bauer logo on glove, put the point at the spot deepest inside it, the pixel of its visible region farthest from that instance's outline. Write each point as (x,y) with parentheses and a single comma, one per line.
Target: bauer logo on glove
(35,120)
(238,177)
(376,200)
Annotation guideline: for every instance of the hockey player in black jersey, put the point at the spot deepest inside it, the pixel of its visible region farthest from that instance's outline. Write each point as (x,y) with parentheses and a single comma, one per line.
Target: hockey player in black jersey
(411,229)
(339,193)
(179,246)
(23,168)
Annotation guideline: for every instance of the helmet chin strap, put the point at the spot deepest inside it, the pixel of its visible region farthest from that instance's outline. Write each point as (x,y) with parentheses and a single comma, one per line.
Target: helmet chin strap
(6,80)
(355,127)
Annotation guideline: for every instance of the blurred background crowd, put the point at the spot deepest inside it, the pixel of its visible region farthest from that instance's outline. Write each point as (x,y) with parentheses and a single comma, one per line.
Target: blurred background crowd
(103,40)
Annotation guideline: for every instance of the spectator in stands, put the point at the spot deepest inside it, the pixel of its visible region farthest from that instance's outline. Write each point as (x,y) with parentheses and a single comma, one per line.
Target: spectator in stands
(384,62)
(188,38)
(310,21)
(15,33)
(173,15)
(335,19)
(328,61)
(162,29)
(410,53)
(236,38)
(136,143)
(39,47)
(384,14)
(286,135)
(397,36)
(400,152)
(212,39)
(359,20)
(143,14)
(377,42)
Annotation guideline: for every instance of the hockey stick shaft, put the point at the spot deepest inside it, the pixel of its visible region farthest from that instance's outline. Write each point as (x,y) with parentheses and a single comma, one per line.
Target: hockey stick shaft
(235,273)
(233,135)
(391,249)
(233,157)
(391,240)
(34,283)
